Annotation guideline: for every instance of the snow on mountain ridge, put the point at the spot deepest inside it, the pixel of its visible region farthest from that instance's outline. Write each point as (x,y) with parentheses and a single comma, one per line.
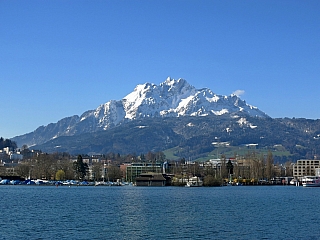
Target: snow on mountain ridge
(172,98)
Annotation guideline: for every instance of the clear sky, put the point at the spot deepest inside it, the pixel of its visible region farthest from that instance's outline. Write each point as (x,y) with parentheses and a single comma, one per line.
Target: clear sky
(60,58)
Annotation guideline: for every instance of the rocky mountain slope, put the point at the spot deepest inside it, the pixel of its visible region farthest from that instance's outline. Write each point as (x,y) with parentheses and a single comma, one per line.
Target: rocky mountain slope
(193,137)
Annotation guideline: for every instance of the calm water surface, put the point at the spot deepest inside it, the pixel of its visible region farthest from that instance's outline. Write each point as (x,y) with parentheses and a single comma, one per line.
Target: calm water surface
(275,212)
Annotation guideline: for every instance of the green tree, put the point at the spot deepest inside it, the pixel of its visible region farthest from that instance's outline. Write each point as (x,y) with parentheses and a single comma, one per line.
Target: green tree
(80,168)
(60,175)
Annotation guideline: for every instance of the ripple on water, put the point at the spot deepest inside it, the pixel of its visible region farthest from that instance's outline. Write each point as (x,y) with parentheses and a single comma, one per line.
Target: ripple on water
(158,213)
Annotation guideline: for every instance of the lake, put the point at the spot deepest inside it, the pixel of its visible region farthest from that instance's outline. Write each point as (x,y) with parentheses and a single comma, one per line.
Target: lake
(243,212)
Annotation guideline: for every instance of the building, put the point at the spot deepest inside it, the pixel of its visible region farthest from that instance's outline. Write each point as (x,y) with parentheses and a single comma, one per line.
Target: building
(134,170)
(16,156)
(305,167)
(153,179)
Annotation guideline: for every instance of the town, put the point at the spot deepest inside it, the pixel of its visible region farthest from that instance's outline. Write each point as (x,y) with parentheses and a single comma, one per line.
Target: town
(25,166)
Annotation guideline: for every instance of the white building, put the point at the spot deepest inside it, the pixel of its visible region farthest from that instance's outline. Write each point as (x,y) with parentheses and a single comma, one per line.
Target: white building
(306,167)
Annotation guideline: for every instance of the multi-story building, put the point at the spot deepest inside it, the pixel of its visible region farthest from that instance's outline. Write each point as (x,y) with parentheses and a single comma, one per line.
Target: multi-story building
(305,167)
(134,170)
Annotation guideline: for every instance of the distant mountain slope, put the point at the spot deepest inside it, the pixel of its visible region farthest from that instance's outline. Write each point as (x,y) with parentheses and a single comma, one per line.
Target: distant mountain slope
(192,137)
(172,98)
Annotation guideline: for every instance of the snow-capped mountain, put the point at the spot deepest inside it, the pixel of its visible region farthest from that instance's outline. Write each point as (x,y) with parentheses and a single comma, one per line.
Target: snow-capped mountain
(172,98)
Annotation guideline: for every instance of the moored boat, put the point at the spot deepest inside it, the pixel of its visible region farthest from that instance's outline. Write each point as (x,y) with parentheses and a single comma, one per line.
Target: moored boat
(194,182)
(311,181)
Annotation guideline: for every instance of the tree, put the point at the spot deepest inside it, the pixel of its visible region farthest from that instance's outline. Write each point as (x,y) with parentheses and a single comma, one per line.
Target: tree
(160,156)
(114,173)
(196,171)
(7,143)
(60,175)
(23,170)
(223,167)
(288,168)
(142,157)
(24,147)
(211,181)
(80,168)
(230,167)
(43,167)
(67,167)
(269,165)
(150,156)
(98,171)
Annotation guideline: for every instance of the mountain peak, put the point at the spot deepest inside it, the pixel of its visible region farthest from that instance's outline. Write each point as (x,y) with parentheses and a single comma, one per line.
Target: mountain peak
(171,98)
(173,83)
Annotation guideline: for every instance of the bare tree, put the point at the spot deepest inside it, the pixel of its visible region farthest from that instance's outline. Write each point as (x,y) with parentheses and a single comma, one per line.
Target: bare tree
(23,170)
(223,167)
(114,173)
(269,165)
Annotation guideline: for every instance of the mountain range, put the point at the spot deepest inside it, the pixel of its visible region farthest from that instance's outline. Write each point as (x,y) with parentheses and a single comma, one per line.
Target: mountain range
(171,115)
(172,98)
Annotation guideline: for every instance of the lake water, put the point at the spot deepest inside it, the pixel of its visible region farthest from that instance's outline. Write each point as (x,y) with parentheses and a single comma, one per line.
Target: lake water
(266,212)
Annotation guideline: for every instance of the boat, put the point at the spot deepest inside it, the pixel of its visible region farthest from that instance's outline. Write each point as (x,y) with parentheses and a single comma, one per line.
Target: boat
(194,182)
(311,181)
(293,182)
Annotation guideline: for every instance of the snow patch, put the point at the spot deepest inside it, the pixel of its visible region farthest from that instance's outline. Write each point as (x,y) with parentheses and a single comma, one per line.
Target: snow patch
(215,98)
(221,112)
(242,121)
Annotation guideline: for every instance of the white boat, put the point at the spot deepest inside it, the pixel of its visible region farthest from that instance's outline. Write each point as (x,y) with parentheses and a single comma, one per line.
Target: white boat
(194,182)
(311,181)
(293,182)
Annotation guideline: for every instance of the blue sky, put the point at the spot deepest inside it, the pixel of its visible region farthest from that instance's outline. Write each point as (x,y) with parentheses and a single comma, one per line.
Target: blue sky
(60,58)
